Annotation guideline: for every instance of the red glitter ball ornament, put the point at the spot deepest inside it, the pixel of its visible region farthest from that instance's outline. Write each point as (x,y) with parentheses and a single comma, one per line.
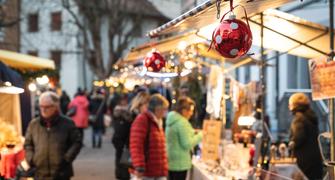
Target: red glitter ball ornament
(232,38)
(154,61)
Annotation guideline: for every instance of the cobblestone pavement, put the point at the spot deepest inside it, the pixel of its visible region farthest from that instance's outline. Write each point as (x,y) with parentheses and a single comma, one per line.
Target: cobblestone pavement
(95,164)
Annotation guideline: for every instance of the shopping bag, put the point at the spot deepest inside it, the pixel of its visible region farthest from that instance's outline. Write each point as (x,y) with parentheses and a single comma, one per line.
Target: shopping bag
(72,111)
(126,158)
(92,118)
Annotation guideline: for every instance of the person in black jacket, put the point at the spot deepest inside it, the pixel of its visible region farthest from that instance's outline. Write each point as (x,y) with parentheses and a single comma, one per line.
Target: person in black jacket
(97,109)
(303,137)
(64,102)
(52,141)
(123,117)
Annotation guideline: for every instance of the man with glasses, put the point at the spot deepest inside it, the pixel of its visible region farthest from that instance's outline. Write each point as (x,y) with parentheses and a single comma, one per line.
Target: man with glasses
(52,141)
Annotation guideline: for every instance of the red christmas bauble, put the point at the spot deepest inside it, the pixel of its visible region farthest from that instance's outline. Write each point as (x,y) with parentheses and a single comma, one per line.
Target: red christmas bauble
(154,61)
(232,38)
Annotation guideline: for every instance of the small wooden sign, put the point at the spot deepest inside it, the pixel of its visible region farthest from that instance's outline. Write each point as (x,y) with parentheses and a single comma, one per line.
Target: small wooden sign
(211,140)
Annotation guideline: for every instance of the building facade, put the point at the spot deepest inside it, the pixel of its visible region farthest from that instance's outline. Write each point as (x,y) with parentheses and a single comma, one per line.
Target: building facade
(169,8)
(47,30)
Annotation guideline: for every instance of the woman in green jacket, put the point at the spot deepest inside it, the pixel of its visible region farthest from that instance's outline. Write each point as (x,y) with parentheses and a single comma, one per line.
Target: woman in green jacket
(180,138)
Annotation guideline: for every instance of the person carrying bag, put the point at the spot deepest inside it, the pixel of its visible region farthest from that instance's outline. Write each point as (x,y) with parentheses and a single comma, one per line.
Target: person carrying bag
(97,110)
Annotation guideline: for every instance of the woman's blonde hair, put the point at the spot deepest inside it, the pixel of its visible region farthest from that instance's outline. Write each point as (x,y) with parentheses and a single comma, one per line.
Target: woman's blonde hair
(140,99)
(298,99)
(184,103)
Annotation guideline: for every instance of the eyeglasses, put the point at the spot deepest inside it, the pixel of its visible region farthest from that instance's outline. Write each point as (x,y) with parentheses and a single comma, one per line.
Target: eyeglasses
(46,106)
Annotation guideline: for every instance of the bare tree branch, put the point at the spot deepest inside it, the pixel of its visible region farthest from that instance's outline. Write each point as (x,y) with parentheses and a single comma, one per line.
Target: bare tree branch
(124,19)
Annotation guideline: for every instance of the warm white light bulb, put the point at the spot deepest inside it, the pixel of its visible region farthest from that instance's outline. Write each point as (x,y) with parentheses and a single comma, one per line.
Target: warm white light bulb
(182,45)
(32,87)
(189,64)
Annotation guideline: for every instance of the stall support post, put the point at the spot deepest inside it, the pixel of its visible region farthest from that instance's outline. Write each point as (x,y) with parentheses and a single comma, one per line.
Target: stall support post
(331,168)
(262,78)
(331,101)
(265,136)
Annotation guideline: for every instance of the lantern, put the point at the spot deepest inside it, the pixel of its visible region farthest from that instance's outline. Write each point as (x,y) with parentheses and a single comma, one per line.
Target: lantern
(154,61)
(232,38)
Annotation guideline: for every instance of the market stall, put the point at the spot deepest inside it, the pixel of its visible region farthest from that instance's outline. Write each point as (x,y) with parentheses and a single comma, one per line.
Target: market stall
(299,37)
(15,107)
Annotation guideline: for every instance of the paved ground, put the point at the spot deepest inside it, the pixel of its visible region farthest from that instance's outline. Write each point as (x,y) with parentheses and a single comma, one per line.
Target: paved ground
(95,164)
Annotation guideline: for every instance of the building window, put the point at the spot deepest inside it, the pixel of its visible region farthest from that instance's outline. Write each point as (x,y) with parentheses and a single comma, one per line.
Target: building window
(33,53)
(56,56)
(33,22)
(56,21)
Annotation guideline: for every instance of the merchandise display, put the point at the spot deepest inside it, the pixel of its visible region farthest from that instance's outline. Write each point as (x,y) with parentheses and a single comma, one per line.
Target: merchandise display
(214,91)
(233,164)
(8,136)
(11,150)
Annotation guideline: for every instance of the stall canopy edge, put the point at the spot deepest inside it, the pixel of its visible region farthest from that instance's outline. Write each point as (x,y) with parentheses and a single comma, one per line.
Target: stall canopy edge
(23,61)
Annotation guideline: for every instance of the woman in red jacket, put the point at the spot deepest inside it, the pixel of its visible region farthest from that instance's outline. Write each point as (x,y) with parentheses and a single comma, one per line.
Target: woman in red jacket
(147,141)
(80,115)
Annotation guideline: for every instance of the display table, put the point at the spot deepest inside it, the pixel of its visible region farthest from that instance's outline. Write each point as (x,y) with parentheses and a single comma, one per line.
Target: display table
(10,159)
(233,165)
(278,171)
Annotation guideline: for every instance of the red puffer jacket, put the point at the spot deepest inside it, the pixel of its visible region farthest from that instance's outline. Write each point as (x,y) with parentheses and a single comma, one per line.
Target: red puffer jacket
(156,164)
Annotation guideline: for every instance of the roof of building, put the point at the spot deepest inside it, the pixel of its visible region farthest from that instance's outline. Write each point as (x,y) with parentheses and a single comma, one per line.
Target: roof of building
(144,7)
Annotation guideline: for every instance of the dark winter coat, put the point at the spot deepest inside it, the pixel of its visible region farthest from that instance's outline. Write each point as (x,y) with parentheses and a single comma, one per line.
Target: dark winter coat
(304,133)
(122,120)
(93,108)
(64,102)
(156,164)
(52,150)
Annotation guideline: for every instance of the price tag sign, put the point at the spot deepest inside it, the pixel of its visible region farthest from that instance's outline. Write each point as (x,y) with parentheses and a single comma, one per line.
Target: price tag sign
(322,75)
(211,140)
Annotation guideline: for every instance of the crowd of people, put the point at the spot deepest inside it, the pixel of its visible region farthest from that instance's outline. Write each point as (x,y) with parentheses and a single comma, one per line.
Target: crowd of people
(159,142)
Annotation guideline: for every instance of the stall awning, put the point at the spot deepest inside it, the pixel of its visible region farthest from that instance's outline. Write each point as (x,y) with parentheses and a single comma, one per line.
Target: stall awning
(23,61)
(286,33)
(172,44)
(282,32)
(206,14)
(163,46)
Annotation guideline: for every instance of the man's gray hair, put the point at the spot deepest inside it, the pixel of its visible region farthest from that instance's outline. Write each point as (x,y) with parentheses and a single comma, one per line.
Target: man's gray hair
(157,101)
(52,95)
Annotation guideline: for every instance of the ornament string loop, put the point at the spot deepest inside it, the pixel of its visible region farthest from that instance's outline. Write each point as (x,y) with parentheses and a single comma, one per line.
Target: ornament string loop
(232,11)
(231,5)
(218,7)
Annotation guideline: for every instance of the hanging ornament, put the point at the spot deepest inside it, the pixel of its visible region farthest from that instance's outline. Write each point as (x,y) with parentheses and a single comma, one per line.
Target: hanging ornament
(233,37)
(154,61)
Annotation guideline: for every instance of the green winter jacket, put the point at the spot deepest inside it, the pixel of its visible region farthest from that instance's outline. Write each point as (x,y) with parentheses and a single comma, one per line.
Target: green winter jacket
(180,140)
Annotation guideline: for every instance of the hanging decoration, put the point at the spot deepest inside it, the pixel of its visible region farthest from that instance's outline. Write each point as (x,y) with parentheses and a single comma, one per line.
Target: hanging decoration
(233,37)
(154,61)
